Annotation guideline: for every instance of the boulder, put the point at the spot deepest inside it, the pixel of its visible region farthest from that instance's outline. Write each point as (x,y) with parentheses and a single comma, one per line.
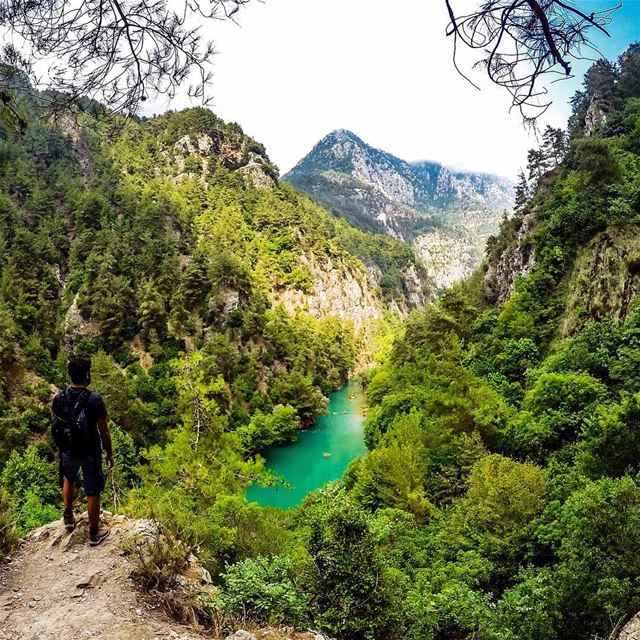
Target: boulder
(241,635)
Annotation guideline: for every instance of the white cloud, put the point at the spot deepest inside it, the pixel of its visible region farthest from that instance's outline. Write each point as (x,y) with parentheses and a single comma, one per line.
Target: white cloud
(293,70)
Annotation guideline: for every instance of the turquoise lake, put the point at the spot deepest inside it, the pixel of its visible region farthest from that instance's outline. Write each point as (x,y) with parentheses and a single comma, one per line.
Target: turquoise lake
(321,454)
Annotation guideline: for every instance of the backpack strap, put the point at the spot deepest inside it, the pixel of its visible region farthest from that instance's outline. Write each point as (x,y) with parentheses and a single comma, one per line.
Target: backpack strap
(82,400)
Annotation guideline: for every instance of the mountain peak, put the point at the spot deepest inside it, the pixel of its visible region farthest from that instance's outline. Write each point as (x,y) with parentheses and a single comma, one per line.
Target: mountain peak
(423,203)
(342,134)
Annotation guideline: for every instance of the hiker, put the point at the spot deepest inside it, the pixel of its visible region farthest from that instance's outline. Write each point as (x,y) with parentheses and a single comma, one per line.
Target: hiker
(81,432)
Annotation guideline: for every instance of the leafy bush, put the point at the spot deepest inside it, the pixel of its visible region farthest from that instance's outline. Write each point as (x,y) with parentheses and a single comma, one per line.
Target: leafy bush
(264,590)
(8,533)
(32,484)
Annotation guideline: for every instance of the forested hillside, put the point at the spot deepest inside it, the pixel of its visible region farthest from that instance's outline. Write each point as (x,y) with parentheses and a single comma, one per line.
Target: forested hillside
(500,495)
(502,482)
(209,295)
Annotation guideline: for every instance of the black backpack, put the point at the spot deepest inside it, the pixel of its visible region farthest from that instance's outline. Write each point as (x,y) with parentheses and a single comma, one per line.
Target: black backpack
(70,425)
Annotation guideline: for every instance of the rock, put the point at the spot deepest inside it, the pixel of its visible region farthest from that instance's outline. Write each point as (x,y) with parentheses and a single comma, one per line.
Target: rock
(632,630)
(449,255)
(197,572)
(254,172)
(230,301)
(515,261)
(604,280)
(373,188)
(231,154)
(596,115)
(336,290)
(241,635)
(76,327)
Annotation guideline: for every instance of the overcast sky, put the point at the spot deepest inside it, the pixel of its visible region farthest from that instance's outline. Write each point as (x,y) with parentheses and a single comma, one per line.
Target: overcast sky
(291,71)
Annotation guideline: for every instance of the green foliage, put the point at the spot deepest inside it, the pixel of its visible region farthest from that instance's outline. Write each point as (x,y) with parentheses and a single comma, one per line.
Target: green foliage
(264,590)
(593,540)
(508,431)
(8,533)
(352,590)
(499,498)
(31,481)
(158,562)
(554,411)
(265,430)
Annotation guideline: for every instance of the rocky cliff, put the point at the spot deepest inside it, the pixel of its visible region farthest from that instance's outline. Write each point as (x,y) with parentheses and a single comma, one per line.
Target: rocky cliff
(515,259)
(605,278)
(303,262)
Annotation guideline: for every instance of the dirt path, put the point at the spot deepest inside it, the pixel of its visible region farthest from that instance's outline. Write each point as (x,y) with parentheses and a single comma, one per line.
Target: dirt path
(58,587)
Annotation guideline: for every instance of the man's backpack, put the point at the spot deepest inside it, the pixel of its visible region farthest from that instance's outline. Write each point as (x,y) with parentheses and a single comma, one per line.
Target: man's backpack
(70,426)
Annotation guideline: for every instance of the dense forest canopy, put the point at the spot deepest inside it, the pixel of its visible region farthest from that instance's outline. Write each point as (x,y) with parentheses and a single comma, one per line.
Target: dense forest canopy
(172,255)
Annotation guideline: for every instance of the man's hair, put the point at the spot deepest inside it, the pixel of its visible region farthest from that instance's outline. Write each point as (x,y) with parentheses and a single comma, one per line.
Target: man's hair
(79,369)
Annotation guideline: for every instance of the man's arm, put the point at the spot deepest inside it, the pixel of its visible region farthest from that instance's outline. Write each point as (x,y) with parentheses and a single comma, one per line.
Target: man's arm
(105,436)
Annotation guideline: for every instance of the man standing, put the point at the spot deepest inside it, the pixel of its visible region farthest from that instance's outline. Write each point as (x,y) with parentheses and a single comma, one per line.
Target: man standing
(81,432)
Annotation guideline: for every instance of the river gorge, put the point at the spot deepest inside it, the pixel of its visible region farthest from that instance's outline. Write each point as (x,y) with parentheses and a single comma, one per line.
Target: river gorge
(321,453)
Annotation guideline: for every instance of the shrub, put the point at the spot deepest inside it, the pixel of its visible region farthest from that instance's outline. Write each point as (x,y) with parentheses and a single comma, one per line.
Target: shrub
(264,590)
(8,533)
(158,562)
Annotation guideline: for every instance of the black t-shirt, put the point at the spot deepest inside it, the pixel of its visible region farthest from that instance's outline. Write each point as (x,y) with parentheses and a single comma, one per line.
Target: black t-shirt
(95,409)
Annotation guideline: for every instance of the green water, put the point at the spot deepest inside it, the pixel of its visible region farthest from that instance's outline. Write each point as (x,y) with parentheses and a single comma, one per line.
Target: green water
(304,464)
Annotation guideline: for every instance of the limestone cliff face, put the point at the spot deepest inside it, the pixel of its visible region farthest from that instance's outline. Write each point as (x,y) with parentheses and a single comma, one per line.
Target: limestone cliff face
(602,283)
(414,285)
(596,115)
(605,278)
(338,290)
(515,261)
(199,154)
(75,326)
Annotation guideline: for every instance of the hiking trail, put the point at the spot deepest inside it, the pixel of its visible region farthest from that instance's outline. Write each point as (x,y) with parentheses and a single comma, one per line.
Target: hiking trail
(57,587)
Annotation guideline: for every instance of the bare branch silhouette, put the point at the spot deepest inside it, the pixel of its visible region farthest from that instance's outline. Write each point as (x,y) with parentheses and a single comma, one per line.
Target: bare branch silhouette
(119,53)
(116,52)
(523,41)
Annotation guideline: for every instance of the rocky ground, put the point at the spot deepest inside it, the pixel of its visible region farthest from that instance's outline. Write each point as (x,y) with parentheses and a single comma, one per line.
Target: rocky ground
(632,630)
(58,587)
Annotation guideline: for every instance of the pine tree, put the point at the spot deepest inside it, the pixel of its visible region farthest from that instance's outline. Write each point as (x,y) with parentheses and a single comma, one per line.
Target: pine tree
(554,145)
(151,310)
(522,192)
(537,164)
(579,107)
(629,64)
(600,82)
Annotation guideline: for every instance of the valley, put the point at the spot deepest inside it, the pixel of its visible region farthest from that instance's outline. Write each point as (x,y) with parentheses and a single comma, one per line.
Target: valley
(320,454)
(237,327)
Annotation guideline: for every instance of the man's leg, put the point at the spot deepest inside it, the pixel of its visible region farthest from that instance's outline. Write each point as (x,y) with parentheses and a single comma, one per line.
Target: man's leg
(68,494)
(93,508)
(94,482)
(69,470)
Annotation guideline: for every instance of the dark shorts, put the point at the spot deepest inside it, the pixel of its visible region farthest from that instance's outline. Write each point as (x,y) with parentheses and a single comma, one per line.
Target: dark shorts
(93,479)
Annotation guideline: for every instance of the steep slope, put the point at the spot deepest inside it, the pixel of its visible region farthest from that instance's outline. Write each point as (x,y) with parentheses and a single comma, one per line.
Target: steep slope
(506,419)
(500,494)
(446,215)
(56,586)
